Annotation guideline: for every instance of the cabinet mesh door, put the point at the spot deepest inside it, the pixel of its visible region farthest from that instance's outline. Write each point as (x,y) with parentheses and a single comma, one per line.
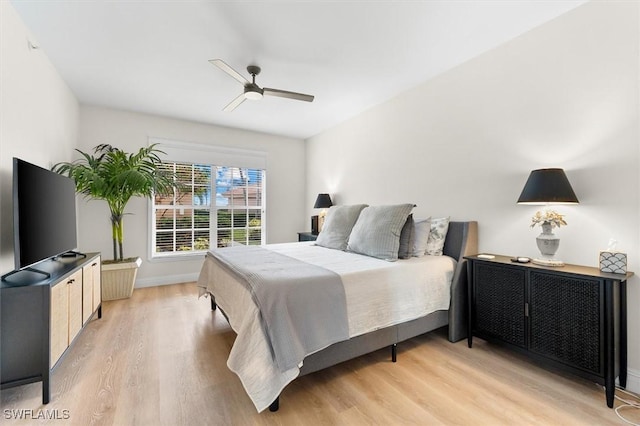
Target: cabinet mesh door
(565,320)
(499,295)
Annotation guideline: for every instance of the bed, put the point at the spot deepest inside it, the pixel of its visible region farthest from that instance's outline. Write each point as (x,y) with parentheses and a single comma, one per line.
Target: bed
(370,296)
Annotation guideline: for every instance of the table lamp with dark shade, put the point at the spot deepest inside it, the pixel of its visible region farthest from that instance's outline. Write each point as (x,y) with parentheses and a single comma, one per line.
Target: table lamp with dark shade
(323,201)
(548,186)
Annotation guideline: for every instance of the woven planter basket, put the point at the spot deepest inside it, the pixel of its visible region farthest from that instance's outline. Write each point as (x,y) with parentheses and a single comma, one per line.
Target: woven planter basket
(118,279)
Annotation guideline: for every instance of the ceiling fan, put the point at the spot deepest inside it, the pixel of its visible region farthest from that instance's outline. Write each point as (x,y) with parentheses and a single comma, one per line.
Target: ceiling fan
(251,89)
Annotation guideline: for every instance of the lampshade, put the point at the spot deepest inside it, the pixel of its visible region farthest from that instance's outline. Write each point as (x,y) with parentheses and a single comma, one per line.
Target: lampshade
(323,201)
(548,186)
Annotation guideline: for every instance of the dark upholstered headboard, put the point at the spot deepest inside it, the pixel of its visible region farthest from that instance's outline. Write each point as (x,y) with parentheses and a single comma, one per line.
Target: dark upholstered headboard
(462,240)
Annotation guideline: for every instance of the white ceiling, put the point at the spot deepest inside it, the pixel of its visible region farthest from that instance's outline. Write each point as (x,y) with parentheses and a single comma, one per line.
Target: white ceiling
(152,56)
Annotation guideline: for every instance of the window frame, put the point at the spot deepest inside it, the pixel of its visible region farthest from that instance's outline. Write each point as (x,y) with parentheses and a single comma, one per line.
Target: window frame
(182,152)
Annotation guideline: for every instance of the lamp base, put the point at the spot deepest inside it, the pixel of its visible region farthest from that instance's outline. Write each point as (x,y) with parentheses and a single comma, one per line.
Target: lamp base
(547,242)
(321,217)
(547,262)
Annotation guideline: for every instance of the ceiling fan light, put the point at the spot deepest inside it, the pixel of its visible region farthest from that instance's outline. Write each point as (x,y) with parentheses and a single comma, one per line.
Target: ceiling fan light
(253,92)
(253,95)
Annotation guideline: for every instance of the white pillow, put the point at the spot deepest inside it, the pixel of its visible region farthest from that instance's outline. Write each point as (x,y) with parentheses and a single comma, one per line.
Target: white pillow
(421,231)
(377,231)
(337,226)
(437,236)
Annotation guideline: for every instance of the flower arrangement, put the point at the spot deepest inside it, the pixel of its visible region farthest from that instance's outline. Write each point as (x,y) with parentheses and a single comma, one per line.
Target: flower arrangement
(550,217)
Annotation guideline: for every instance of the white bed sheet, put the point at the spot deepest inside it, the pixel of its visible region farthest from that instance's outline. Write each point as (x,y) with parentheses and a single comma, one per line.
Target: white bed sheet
(378,294)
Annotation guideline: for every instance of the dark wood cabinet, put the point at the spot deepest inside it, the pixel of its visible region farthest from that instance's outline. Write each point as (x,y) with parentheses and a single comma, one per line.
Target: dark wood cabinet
(572,317)
(40,318)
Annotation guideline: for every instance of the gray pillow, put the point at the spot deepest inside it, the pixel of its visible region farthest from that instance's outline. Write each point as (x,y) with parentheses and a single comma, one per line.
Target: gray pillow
(337,226)
(406,239)
(421,231)
(377,231)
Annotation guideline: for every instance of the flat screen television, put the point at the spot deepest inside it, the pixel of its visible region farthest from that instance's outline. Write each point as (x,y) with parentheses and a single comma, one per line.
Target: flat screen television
(44,214)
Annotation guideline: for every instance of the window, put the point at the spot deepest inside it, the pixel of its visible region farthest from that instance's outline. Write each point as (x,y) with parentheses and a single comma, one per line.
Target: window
(214,206)
(220,200)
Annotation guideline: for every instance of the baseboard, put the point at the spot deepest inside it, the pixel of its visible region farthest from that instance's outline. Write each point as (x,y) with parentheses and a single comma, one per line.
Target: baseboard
(633,381)
(166,280)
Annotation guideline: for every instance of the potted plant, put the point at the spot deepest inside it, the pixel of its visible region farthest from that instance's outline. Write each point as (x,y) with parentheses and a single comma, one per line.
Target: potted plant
(112,175)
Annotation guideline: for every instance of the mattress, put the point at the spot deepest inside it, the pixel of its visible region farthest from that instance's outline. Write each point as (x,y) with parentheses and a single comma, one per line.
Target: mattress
(378,294)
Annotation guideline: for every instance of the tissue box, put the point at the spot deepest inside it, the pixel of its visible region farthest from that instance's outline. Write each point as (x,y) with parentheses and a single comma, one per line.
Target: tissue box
(613,261)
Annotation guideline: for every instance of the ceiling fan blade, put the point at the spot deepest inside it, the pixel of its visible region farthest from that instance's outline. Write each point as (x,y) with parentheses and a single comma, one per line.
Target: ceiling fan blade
(226,68)
(235,103)
(286,94)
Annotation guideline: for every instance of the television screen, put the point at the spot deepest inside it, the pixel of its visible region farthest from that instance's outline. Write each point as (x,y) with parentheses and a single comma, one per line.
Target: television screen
(44,214)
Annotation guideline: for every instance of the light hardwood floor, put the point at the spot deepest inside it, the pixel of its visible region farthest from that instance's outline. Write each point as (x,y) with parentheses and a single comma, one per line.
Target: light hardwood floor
(159,358)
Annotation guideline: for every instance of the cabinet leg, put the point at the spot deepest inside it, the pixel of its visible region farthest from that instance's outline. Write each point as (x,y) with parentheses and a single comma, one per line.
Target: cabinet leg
(470,303)
(46,397)
(610,392)
(623,335)
(100,311)
(609,353)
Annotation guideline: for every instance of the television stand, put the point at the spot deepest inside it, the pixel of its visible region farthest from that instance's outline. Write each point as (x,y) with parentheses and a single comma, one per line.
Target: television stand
(41,318)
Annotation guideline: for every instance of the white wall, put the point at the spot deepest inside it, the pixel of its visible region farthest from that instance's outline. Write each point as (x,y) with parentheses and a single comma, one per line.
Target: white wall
(130,131)
(38,115)
(562,95)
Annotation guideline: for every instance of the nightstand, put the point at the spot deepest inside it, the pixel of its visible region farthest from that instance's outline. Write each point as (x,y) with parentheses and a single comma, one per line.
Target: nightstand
(572,318)
(307,236)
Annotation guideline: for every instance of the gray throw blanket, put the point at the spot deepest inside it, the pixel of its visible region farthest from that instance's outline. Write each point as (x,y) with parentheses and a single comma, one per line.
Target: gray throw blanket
(303,306)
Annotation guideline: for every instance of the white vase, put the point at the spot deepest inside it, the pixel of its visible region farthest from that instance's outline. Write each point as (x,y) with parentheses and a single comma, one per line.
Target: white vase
(547,242)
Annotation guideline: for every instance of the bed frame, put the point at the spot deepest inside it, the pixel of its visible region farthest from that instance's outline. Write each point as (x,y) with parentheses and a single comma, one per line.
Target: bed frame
(462,240)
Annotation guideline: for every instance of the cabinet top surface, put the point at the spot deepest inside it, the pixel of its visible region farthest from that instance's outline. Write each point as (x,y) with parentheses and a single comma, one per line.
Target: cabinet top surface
(59,269)
(566,269)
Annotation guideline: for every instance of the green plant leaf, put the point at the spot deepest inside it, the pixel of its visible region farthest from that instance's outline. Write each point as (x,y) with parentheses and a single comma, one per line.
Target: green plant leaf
(115,176)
